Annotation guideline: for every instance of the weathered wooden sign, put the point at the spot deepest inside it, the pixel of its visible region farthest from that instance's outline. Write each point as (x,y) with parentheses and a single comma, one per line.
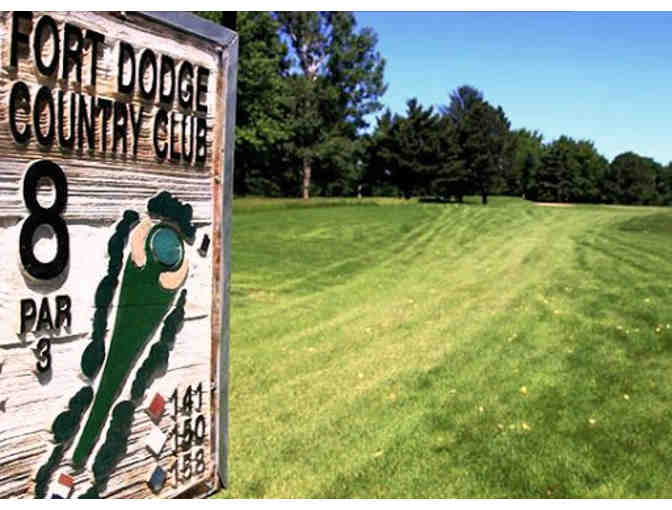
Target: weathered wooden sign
(116,134)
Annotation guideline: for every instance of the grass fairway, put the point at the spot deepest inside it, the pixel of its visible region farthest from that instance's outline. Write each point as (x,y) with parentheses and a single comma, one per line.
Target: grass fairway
(430,350)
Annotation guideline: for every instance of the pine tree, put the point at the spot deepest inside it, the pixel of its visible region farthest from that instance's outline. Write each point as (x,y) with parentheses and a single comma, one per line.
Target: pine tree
(482,135)
(451,178)
(461,101)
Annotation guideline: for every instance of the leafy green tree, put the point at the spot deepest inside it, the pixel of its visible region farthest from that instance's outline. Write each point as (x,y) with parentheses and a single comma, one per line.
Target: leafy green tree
(570,171)
(337,79)
(631,179)
(593,167)
(338,171)
(261,129)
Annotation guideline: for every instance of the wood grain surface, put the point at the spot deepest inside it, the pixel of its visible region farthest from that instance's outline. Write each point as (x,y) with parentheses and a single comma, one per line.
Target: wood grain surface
(101,186)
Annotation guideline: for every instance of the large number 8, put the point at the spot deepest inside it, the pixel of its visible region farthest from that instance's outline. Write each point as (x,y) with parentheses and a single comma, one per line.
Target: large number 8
(44,216)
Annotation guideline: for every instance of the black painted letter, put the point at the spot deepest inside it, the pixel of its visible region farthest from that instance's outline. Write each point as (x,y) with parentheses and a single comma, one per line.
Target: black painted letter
(19,94)
(44,99)
(63,313)
(161,118)
(18,37)
(28,314)
(72,34)
(46,23)
(126,50)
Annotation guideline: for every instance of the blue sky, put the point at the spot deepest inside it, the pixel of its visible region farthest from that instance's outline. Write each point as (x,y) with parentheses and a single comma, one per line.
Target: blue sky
(606,77)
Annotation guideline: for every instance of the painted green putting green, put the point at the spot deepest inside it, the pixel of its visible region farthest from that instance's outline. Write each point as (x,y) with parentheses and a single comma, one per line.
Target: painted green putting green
(166,246)
(142,305)
(116,439)
(157,360)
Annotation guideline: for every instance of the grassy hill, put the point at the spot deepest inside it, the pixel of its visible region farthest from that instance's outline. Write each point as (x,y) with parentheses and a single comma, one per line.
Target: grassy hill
(397,349)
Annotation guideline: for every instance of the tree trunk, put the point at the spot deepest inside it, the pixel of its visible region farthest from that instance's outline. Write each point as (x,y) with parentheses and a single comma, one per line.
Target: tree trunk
(307,170)
(484,197)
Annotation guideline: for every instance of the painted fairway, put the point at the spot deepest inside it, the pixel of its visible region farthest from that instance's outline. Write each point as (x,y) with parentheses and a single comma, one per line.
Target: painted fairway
(397,349)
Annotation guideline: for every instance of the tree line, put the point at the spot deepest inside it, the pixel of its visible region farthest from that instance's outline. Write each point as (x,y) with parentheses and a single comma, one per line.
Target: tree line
(468,147)
(307,82)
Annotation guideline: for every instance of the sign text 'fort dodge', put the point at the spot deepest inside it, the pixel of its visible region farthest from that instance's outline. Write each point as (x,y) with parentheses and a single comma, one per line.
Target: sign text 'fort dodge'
(57,109)
(113,139)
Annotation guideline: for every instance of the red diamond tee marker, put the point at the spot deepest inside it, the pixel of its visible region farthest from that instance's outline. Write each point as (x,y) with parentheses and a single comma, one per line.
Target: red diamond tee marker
(63,486)
(66,480)
(155,409)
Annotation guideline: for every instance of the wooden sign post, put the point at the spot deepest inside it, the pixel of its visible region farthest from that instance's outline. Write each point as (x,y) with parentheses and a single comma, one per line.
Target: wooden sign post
(116,172)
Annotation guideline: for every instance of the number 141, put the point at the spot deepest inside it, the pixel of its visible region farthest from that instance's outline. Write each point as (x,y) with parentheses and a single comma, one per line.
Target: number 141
(187,400)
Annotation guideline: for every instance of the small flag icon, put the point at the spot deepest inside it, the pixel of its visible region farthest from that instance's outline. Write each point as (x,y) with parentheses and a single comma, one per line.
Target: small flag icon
(157,479)
(155,409)
(63,486)
(155,440)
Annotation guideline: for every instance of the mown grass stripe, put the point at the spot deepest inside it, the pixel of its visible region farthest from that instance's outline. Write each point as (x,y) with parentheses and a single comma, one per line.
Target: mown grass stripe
(391,376)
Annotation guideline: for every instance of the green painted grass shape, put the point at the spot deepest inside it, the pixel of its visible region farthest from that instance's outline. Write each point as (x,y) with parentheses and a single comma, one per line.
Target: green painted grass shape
(142,305)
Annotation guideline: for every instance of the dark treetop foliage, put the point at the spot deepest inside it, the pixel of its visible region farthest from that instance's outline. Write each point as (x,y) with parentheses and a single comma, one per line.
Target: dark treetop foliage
(410,149)
(261,125)
(470,148)
(461,101)
(483,138)
(569,171)
(633,180)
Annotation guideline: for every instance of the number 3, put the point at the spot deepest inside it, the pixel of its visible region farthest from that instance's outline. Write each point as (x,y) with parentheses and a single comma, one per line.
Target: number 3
(44,216)
(43,348)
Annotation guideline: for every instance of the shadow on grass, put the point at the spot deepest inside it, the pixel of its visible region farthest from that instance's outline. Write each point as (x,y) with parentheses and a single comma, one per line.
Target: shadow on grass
(441,200)
(562,455)
(241,207)
(660,223)
(595,427)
